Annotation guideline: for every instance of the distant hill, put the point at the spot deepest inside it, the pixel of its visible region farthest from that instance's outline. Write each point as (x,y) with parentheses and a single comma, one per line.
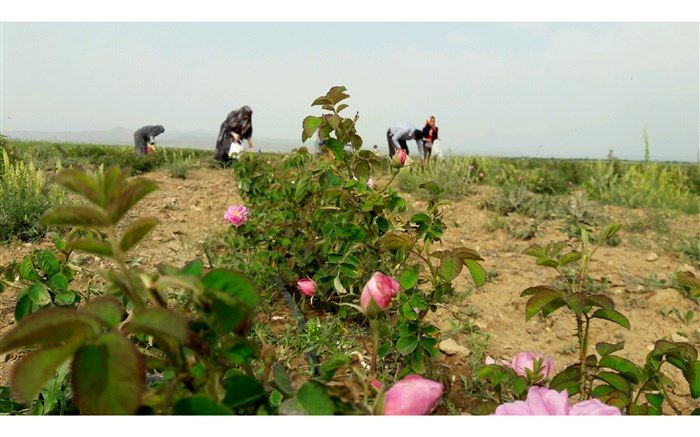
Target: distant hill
(198,139)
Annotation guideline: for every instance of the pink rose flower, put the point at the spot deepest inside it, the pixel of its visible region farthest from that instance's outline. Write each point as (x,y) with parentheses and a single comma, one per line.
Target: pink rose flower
(593,407)
(307,287)
(380,289)
(400,158)
(413,395)
(376,384)
(370,183)
(542,401)
(526,361)
(236,215)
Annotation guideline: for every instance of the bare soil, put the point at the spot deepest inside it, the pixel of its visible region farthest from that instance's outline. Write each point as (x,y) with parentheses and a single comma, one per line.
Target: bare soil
(192,209)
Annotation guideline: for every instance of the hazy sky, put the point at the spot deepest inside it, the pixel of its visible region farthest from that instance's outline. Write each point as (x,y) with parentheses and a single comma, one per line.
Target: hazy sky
(564,90)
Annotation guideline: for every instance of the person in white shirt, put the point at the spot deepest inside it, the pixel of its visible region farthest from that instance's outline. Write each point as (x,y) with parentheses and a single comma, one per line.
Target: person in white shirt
(398,135)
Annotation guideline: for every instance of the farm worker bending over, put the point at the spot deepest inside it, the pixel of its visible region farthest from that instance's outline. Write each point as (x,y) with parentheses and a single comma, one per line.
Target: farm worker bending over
(238,126)
(144,138)
(398,135)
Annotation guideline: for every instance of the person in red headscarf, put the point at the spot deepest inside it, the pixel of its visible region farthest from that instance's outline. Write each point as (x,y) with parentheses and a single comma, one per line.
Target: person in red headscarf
(430,134)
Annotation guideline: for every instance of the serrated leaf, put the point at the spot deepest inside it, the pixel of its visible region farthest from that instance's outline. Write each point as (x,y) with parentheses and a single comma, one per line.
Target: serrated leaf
(49,327)
(609,231)
(159,322)
(313,398)
(408,278)
(548,262)
(432,187)
(108,376)
(477,271)
(330,367)
(576,302)
(199,405)
(538,301)
(33,370)
(58,282)
(600,300)
(394,241)
(39,294)
(65,297)
(450,267)
(233,297)
(193,268)
(622,365)
(615,380)
(75,216)
(465,253)
(605,349)
(135,232)
(568,379)
(309,126)
(81,183)
(569,258)
(407,345)
(536,251)
(339,286)
(47,262)
(23,307)
(92,245)
(107,309)
(242,391)
(27,270)
(536,289)
(130,194)
(612,316)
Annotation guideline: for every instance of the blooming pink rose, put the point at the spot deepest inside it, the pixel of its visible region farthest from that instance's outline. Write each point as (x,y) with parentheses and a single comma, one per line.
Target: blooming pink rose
(540,401)
(593,407)
(380,289)
(370,183)
(526,360)
(413,395)
(236,215)
(307,287)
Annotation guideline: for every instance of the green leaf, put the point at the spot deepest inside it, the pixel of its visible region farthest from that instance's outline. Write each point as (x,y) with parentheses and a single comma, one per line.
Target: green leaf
(313,398)
(108,376)
(49,327)
(193,268)
(612,316)
(600,300)
(281,379)
(688,280)
(58,282)
(409,278)
(65,297)
(92,245)
(243,390)
(39,294)
(47,262)
(33,370)
(692,375)
(81,183)
(432,187)
(135,232)
(23,307)
(576,302)
(605,349)
(132,192)
(615,380)
(199,405)
(408,311)
(233,298)
(339,286)
(538,301)
(450,267)
(477,271)
(547,262)
(536,289)
(309,126)
(536,251)
(394,241)
(568,379)
(27,270)
(107,309)
(159,322)
(626,367)
(569,258)
(330,367)
(75,216)
(407,345)
(465,253)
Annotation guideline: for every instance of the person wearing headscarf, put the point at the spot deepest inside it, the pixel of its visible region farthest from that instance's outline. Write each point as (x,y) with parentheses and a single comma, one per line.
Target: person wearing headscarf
(430,134)
(237,127)
(144,138)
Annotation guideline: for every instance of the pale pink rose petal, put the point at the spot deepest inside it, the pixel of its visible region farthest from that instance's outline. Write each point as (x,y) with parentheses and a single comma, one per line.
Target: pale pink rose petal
(593,407)
(413,395)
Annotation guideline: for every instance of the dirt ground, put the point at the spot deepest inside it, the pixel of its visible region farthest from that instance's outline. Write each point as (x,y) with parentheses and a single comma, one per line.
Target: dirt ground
(191,209)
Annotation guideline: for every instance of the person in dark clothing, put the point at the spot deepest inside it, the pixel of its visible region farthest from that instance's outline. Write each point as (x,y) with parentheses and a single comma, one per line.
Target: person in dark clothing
(430,134)
(238,126)
(145,137)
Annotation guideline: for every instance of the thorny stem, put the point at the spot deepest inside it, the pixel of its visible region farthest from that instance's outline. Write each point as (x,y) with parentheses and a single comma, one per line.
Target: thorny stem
(670,402)
(583,346)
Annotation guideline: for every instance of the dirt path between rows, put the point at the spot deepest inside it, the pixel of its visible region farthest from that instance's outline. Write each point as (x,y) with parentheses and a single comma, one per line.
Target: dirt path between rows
(192,209)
